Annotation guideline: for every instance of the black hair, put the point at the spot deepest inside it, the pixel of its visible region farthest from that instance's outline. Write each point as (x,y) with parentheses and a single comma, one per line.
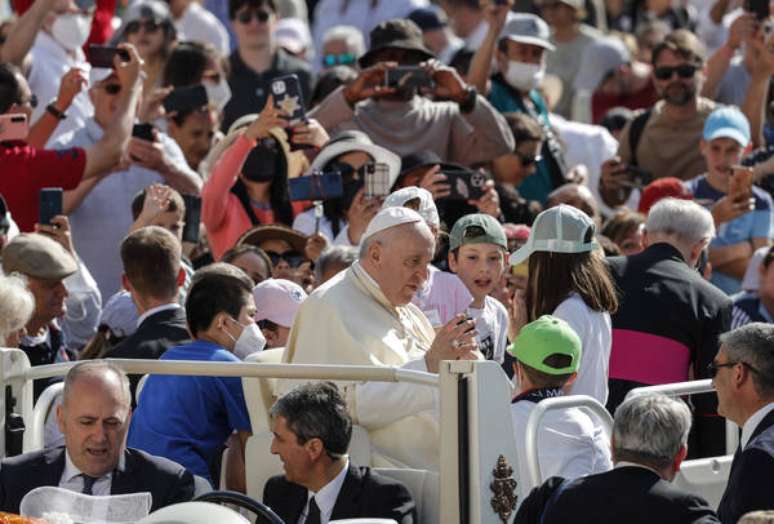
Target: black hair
(187,63)
(236,5)
(10,89)
(218,288)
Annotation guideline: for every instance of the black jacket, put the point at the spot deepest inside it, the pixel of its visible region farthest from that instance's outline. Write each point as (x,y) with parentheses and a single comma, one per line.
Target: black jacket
(749,485)
(156,334)
(167,481)
(364,494)
(630,495)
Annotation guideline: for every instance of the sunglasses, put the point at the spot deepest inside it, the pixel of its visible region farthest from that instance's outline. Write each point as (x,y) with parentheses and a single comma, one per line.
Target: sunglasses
(149,26)
(112,89)
(32,101)
(683,71)
(528,160)
(713,367)
(342,59)
(292,258)
(245,16)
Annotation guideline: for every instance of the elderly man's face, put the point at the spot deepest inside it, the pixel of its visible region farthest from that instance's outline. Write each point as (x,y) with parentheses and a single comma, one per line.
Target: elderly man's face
(49,296)
(401,261)
(94,419)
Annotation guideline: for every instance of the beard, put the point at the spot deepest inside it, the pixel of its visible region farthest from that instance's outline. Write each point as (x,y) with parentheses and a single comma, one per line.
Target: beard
(678,93)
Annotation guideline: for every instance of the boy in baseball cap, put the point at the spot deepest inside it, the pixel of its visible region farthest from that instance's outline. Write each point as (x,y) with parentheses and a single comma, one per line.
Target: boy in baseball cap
(478,249)
(276,303)
(570,444)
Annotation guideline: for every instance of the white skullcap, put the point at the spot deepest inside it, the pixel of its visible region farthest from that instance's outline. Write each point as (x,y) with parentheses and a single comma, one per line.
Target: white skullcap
(427,209)
(391,217)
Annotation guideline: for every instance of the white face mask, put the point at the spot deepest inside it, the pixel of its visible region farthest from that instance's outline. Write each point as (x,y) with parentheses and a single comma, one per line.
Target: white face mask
(218,94)
(523,76)
(250,341)
(71,30)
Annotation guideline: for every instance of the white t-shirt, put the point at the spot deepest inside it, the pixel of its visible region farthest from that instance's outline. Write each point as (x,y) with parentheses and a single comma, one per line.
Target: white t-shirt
(443,296)
(492,328)
(570,444)
(595,331)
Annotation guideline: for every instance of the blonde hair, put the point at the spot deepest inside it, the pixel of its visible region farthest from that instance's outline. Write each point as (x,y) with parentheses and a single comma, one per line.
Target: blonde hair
(16,305)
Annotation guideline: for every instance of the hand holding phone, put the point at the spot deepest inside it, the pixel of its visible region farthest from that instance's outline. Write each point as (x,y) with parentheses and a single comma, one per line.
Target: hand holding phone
(288,98)
(741,182)
(103,56)
(143,132)
(318,186)
(50,204)
(376,180)
(466,184)
(408,77)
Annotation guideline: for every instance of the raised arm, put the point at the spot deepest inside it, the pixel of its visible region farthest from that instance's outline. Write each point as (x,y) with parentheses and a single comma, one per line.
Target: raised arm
(23,36)
(481,66)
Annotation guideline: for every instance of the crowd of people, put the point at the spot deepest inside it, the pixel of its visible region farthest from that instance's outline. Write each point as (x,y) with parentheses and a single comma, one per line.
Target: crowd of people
(578,190)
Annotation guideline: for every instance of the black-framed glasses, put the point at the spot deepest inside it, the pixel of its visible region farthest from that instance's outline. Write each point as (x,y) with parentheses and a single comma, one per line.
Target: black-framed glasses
(149,26)
(528,160)
(713,367)
(246,16)
(333,59)
(683,71)
(292,258)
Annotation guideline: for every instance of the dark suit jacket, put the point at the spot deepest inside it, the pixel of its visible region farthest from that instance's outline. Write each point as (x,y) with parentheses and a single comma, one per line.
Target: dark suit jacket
(628,495)
(167,481)
(156,334)
(364,494)
(749,485)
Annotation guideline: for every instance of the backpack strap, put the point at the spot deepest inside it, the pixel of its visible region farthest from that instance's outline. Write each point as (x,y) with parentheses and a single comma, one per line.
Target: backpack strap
(635,134)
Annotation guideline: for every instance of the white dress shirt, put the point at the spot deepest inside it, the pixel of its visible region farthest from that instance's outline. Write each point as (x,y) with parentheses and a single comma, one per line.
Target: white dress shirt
(752,423)
(157,309)
(72,478)
(326,497)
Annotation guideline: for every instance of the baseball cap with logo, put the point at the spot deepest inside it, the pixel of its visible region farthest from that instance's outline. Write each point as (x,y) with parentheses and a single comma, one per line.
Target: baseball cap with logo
(560,229)
(528,29)
(38,256)
(543,338)
(278,300)
(727,122)
(477,228)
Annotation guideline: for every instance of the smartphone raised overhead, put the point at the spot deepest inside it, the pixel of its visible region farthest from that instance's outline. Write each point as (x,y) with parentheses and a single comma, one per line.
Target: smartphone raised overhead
(376,180)
(143,131)
(49,204)
(184,99)
(406,77)
(13,127)
(289,98)
(466,184)
(318,186)
(102,56)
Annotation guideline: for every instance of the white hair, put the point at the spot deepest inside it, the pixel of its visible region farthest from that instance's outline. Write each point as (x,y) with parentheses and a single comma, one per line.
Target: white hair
(686,220)
(350,34)
(16,305)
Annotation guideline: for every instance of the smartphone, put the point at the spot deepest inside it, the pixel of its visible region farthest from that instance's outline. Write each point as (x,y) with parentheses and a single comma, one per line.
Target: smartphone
(102,56)
(13,127)
(741,182)
(193,217)
(288,98)
(50,204)
(466,185)
(760,8)
(186,98)
(316,187)
(468,318)
(376,180)
(408,77)
(638,177)
(143,131)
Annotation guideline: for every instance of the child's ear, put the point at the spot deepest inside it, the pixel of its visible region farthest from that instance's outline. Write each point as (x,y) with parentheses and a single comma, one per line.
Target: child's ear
(452,258)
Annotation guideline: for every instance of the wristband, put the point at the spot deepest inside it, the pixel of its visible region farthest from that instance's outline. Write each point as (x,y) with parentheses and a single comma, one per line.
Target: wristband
(56,113)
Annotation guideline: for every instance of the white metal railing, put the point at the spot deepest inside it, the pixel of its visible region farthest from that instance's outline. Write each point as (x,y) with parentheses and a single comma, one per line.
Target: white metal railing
(695,387)
(37,431)
(536,418)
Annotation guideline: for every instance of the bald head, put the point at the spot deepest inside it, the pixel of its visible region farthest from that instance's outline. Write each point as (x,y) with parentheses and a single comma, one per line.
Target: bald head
(99,374)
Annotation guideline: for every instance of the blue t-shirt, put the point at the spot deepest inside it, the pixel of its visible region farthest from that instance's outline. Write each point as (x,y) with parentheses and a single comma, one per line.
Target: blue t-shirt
(188,419)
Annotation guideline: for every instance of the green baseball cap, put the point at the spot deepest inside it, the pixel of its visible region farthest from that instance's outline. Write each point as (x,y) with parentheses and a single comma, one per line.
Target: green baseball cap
(477,229)
(544,337)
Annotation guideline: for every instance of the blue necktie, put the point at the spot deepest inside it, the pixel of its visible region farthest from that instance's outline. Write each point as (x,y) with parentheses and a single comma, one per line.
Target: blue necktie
(88,484)
(313,517)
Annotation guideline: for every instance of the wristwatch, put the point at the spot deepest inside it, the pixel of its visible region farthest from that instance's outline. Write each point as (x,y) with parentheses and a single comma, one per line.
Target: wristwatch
(56,113)
(468,103)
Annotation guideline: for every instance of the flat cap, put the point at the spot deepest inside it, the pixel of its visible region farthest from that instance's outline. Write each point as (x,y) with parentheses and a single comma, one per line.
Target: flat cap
(38,256)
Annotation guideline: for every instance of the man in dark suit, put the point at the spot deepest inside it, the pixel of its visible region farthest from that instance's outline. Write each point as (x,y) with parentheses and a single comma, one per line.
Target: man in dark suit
(153,275)
(649,443)
(312,430)
(94,417)
(743,375)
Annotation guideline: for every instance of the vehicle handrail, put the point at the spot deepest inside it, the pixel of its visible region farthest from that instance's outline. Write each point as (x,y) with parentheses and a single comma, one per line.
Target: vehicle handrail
(40,414)
(536,417)
(694,387)
(246,369)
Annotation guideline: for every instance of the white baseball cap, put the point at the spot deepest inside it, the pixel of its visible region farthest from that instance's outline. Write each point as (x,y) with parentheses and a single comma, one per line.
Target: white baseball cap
(527,28)
(278,300)
(391,217)
(426,209)
(560,229)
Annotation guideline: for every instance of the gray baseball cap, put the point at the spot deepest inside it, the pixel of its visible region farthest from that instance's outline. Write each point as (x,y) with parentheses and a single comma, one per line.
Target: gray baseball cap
(38,256)
(560,229)
(599,59)
(528,29)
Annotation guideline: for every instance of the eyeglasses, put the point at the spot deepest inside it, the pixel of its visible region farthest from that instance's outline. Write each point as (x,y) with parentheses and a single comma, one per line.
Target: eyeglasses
(292,258)
(32,102)
(683,71)
(112,89)
(713,367)
(149,26)
(528,160)
(246,16)
(331,60)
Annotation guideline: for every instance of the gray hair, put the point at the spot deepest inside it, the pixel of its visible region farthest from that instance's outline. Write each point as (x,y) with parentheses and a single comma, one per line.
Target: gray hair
(334,256)
(16,305)
(753,344)
(350,34)
(650,429)
(96,368)
(758,517)
(686,220)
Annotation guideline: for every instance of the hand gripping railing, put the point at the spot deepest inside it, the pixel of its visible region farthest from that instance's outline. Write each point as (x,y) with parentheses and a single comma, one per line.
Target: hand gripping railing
(695,387)
(536,418)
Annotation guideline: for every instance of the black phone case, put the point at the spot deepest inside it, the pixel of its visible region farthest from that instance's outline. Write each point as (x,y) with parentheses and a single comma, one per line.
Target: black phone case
(466,185)
(316,187)
(50,204)
(193,217)
(186,99)
(758,7)
(288,98)
(143,131)
(102,56)
(409,77)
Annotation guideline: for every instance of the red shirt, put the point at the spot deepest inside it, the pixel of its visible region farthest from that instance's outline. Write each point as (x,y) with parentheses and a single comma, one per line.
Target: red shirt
(642,99)
(25,170)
